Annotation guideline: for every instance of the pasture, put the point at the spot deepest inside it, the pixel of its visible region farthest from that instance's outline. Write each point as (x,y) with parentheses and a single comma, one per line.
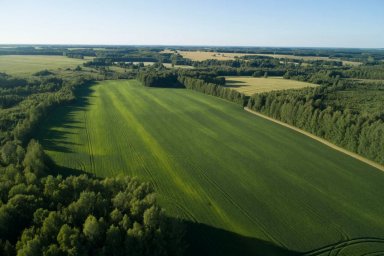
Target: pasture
(29,64)
(251,85)
(246,185)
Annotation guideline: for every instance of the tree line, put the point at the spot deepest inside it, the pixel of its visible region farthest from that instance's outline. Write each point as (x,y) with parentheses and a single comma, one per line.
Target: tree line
(323,111)
(204,82)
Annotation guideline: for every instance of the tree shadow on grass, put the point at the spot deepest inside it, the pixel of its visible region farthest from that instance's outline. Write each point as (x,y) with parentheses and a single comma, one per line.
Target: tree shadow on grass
(174,85)
(235,84)
(50,134)
(55,169)
(202,239)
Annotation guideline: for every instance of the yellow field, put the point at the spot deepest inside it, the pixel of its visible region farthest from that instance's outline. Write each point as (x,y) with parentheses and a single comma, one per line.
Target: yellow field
(283,56)
(29,64)
(251,85)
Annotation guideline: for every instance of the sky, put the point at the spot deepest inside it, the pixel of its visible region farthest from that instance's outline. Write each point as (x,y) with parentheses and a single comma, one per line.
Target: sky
(290,23)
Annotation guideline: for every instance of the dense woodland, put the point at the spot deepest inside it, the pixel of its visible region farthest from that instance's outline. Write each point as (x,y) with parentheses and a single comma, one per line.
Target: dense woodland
(43,213)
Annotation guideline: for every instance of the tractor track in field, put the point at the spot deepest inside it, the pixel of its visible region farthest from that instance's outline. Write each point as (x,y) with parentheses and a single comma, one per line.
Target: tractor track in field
(377,253)
(232,201)
(91,157)
(140,159)
(81,165)
(321,140)
(342,245)
(182,208)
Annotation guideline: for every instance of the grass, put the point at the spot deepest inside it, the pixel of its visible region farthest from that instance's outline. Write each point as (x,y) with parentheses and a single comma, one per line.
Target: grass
(29,64)
(255,187)
(252,85)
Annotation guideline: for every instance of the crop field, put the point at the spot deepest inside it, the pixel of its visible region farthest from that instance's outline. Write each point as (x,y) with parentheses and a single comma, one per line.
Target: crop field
(251,85)
(245,185)
(29,64)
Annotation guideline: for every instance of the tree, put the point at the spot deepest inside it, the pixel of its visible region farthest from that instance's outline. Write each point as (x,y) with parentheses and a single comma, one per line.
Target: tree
(34,158)
(69,240)
(92,229)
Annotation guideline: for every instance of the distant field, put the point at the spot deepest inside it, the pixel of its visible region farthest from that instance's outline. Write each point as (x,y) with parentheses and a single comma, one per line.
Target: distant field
(252,85)
(200,55)
(283,56)
(246,180)
(28,64)
(168,65)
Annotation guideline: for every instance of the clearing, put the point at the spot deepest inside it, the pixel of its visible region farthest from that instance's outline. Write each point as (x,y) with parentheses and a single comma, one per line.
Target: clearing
(251,85)
(255,187)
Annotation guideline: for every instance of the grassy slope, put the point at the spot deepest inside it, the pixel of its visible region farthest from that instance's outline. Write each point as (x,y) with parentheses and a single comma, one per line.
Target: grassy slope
(28,64)
(251,85)
(216,164)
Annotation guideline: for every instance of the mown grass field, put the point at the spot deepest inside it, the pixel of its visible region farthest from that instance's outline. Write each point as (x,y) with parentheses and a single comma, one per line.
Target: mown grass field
(255,187)
(29,64)
(251,85)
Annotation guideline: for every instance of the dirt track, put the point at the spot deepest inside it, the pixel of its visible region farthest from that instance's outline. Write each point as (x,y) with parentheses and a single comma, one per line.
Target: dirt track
(325,142)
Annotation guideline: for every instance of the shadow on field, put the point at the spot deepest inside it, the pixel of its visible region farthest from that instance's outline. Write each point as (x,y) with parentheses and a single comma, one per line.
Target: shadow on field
(206,240)
(49,134)
(174,85)
(235,83)
(55,169)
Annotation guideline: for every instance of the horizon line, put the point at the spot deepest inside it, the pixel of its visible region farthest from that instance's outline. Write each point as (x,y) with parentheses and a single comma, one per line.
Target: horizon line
(189,45)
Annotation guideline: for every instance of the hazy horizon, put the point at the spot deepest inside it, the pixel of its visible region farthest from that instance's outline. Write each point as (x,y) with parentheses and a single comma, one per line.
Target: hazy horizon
(244,23)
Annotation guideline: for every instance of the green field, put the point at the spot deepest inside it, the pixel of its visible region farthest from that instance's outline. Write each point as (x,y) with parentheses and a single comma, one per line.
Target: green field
(251,85)
(255,187)
(29,64)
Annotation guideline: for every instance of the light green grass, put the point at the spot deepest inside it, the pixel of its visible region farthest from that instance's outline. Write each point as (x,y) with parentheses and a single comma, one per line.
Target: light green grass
(213,163)
(251,85)
(29,64)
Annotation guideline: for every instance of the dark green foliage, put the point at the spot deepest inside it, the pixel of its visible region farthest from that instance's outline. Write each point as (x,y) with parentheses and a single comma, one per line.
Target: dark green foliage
(158,78)
(43,73)
(25,102)
(82,216)
(212,89)
(349,114)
